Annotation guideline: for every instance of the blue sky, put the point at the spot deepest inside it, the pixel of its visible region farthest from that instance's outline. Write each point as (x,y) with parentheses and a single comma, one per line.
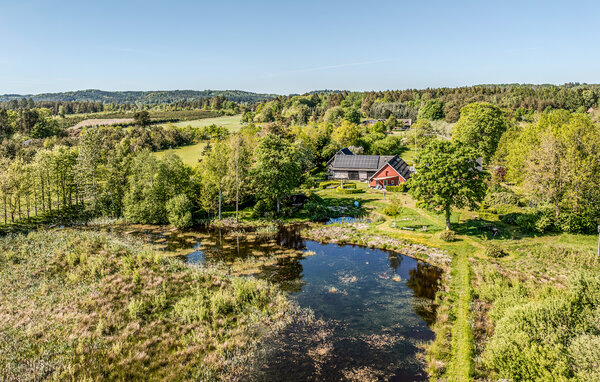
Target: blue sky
(293,47)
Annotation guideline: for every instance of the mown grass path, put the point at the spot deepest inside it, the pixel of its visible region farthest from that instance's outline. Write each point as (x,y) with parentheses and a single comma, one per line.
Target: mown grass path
(461,364)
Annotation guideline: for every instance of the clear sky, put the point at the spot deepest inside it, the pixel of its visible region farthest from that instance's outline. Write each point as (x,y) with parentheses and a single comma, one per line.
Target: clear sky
(293,46)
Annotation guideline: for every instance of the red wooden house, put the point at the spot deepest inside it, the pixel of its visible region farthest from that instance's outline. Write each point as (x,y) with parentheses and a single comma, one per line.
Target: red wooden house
(392,173)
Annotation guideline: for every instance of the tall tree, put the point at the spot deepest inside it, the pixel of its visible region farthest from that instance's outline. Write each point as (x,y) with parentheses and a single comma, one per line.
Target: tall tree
(277,169)
(480,126)
(214,170)
(447,176)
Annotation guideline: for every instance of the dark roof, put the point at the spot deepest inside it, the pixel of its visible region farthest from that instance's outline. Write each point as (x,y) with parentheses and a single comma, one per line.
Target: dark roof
(344,151)
(399,165)
(360,162)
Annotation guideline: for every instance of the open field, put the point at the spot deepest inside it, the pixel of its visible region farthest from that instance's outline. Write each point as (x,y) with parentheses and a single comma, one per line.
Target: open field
(233,123)
(191,154)
(188,154)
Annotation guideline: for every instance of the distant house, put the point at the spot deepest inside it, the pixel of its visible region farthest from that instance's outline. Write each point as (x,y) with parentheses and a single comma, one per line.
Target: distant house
(378,170)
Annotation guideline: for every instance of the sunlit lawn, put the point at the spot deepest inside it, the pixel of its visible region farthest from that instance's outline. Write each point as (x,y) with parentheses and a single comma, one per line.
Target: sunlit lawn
(233,123)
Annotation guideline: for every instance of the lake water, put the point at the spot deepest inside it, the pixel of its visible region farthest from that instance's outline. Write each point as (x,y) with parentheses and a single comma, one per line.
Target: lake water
(372,308)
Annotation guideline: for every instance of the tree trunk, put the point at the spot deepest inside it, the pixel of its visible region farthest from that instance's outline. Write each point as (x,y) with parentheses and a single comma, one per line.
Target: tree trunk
(219,204)
(5,215)
(278,206)
(237,191)
(448,213)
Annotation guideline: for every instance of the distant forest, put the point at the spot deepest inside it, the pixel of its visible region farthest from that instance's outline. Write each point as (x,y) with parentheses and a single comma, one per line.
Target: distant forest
(140,97)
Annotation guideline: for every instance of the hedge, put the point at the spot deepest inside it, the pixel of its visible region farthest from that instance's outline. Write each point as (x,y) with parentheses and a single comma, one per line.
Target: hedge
(349,190)
(399,188)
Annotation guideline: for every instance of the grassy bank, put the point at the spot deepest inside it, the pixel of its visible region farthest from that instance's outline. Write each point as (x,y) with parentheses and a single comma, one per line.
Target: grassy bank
(88,306)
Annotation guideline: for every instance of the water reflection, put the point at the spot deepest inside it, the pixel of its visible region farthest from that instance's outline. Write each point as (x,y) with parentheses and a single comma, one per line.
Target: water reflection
(372,307)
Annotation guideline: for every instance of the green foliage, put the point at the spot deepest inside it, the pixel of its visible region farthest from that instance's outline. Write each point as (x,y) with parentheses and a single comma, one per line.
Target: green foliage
(494,251)
(352,115)
(392,210)
(277,169)
(151,184)
(541,339)
(402,187)
(329,183)
(501,198)
(179,211)
(341,190)
(390,145)
(447,236)
(432,110)
(480,126)
(447,176)
(142,118)
(346,134)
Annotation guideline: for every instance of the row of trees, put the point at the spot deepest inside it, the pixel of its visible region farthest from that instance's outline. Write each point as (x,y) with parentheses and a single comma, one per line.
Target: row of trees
(431,104)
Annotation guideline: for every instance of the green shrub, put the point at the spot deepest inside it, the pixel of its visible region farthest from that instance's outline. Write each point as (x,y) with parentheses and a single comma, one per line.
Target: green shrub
(585,355)
(262,207)
(549,338)
(349,185)
(493,250)
(328,183)
(349,190)
(448,235)
(391,210)
(317,211)
(402,187)
(502,197)
(179,211)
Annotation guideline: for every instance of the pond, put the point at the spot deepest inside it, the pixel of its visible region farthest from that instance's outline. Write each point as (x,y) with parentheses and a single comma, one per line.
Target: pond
(372,308)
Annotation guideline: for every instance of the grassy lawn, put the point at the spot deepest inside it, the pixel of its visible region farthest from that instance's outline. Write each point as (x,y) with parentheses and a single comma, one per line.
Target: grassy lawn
(233,123)
(188,154)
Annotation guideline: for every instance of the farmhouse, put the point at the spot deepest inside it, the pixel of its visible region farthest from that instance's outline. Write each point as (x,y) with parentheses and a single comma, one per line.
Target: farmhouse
(378,170)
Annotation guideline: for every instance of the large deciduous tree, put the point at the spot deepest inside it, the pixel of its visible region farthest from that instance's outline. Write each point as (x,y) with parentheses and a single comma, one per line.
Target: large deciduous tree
(480,126)
(447,176)
(277,168)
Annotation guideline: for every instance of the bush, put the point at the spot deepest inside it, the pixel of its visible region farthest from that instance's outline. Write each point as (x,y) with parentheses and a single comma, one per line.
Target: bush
(349,190)
(402,187)
(261,207)
(493,250)
(585,353)
(538,220)
(316,211)
(448,236)
(391,210)
(328,183)
(549,338)
(502,197)
(179,211)
(349,185)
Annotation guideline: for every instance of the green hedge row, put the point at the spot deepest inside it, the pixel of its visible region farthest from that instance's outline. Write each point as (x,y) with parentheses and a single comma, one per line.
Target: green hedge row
(399,188)
(349,190)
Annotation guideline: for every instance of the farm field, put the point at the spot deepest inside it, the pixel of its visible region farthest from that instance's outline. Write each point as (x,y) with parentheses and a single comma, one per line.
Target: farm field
(233,123)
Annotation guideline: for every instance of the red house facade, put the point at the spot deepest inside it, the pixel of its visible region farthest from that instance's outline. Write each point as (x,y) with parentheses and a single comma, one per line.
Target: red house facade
(386,176)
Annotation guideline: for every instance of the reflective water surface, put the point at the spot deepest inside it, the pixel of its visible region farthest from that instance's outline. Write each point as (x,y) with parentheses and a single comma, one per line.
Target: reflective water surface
(372,308)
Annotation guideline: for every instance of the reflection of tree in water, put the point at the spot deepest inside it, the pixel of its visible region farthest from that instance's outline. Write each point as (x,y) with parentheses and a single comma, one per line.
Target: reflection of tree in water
(424,281)
(395,261)
(287,273)
(291,238)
